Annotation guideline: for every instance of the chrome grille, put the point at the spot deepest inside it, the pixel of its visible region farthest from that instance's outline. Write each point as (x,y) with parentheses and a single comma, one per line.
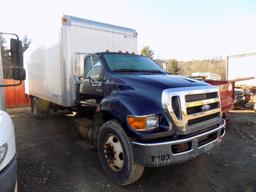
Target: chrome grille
(202,96)
(204,118)
(197,109)
(192,109)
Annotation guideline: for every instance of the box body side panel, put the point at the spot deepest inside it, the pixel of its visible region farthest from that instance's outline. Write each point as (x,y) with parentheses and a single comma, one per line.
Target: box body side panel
(50,64)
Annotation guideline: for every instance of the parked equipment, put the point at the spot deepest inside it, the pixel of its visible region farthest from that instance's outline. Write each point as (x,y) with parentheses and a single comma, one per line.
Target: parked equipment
(229,96)
(240,66)
(226,89)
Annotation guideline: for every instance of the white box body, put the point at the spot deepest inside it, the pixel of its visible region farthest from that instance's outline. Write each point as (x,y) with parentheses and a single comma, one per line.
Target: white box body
(50,65)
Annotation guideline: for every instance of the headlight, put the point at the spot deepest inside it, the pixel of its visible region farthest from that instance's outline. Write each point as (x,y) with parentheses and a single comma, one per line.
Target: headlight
(3,152)
(142,123)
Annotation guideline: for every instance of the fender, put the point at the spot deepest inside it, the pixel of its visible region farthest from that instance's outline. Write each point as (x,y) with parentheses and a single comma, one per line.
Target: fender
(119,106)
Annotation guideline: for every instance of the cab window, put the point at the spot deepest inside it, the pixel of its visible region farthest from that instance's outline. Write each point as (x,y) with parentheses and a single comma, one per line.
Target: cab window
(93,67)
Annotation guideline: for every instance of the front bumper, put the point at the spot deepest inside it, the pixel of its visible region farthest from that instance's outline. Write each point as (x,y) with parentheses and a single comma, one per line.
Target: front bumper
(8,177)
(176,151)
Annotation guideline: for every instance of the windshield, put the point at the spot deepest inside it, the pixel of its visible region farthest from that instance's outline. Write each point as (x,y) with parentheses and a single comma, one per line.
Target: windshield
(131,63)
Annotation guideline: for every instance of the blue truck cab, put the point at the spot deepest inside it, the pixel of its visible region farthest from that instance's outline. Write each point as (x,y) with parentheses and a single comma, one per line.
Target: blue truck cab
(144,116)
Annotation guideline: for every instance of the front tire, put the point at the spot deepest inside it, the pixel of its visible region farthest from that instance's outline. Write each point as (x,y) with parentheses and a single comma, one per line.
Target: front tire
(116,155)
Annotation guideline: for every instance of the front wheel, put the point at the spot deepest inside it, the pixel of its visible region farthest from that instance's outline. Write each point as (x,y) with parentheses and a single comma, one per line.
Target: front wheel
(116,155)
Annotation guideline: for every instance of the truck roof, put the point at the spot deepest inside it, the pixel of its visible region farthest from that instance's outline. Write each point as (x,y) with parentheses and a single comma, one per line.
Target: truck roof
(76,21)
(114,52)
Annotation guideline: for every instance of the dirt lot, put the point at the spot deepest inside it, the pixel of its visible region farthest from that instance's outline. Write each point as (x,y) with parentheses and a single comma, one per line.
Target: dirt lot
(53,158)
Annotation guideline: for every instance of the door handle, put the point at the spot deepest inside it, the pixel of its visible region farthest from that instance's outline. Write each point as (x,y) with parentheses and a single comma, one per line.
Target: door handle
(95,83)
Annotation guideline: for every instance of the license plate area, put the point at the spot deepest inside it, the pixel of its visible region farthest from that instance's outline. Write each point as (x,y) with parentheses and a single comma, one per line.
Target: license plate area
(207,139)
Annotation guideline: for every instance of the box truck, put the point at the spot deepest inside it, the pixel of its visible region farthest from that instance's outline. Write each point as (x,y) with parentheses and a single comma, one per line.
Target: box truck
(13,70)
(143,116)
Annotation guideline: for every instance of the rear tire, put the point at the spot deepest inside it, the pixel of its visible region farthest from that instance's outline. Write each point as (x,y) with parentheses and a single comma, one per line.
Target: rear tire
(40,108)
(116,155)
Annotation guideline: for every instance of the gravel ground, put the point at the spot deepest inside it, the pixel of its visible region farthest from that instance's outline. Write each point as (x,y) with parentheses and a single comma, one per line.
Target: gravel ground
(53,158)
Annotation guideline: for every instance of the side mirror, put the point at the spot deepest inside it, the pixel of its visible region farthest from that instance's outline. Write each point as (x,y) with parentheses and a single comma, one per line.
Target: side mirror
(18,72)
(12,60)
(16,52)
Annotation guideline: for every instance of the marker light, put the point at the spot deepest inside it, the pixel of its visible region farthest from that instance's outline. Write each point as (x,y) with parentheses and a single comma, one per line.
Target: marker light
(143,123)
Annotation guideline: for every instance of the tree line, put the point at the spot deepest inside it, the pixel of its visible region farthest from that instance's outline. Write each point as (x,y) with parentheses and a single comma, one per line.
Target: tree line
(186,68)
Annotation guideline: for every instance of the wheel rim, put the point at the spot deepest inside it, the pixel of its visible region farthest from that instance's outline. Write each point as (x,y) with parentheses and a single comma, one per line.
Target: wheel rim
(113,153)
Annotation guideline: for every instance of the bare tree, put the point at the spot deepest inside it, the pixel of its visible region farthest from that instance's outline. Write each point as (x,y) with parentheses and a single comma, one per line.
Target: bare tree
(146,51)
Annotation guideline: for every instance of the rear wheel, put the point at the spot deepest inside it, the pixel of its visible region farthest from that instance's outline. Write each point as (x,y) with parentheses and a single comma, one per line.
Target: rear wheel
(116,155)
(40,108)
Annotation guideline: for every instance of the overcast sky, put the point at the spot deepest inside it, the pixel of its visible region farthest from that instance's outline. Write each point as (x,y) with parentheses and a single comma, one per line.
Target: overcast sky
(181,29)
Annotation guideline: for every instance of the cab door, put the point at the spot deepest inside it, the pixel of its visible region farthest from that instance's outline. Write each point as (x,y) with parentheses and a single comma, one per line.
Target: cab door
(91,89)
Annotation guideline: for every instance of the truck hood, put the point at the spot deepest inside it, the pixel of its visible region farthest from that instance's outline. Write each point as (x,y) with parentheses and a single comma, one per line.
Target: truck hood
(143,92)
(157,81)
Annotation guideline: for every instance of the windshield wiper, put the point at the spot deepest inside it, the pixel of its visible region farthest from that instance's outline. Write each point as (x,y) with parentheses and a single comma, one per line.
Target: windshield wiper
(126,70)
(142,71)
(152,71)
(136,70)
